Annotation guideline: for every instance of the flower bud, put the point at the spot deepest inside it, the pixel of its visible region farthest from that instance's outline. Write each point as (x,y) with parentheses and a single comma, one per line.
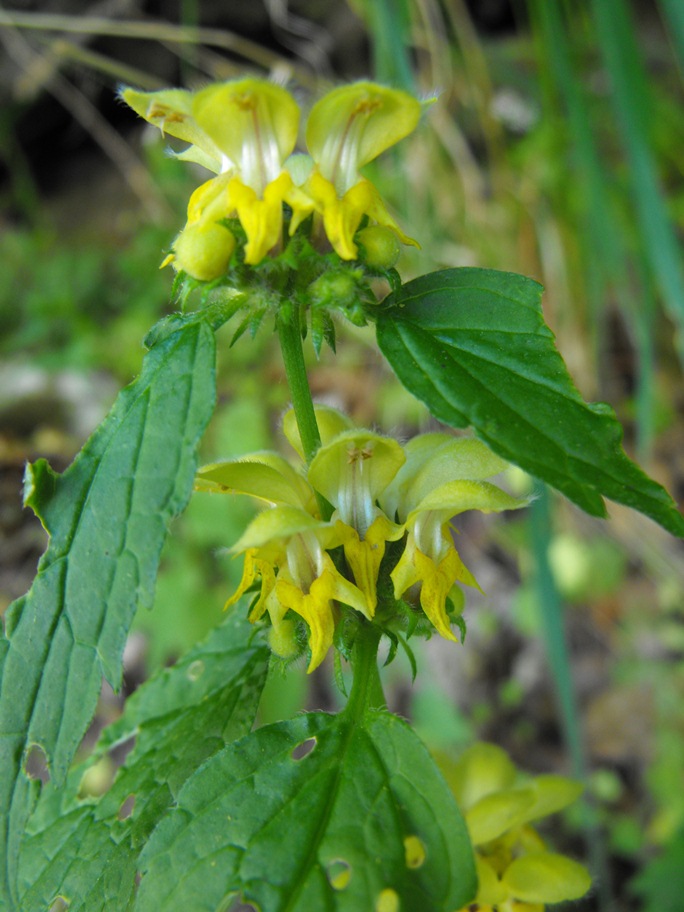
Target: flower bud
(379,246)
(283,639)
(336,288)
(204,250)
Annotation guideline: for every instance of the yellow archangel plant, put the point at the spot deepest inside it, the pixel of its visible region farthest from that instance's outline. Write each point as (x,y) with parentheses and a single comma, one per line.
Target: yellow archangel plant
(245,131)
(381,493)
(516,871)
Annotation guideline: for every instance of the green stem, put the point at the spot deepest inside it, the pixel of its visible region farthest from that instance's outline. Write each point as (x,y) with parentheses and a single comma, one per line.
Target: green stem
(290,335)
(366,692)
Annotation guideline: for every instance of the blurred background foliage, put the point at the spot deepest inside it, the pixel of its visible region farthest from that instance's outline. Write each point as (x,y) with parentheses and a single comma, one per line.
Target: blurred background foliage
(554,150)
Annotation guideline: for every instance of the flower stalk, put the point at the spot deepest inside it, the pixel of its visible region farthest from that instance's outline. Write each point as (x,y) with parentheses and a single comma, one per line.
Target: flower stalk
(290,337)
(366,692)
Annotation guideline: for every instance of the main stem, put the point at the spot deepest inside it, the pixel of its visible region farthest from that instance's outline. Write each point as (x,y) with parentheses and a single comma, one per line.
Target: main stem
(366,688)
(366,692)
(290,335)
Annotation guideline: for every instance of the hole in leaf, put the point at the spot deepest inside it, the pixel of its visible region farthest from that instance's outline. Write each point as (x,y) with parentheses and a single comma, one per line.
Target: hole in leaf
(415,852)
(126,808)
(387,901)
(120,751)
(195,670)
(240,906)
(36,764)
(304,749)
(339,874)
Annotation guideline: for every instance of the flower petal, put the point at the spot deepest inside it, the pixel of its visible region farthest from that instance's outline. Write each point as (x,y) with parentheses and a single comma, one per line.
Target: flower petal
(331,423)
(278,524)
(353,124)
(253,122)
(316,609)
(364,556)
(266,476)
(458,496)
(262,218)
(481,769)
(552,794)
(455,459)
(171,111)
(496,813)
(352,470)
(489,889)
(545,877)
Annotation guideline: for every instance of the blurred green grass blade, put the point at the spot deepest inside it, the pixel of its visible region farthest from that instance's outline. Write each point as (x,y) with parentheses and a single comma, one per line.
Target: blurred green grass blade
(553,631)
(600,231)
(615,31)
(389,24)
(673,13)
(603,250)
(643,314)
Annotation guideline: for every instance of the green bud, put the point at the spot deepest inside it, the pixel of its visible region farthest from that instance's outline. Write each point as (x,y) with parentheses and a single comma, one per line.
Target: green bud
(336,288)
(283,639)
(379,246)
(203,250)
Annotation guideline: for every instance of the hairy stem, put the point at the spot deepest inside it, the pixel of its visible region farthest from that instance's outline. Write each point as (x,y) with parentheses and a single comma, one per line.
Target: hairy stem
(366,692)
(290,335)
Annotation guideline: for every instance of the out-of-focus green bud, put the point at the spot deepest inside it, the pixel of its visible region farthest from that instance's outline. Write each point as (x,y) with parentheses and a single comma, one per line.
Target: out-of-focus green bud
(203,250)
(379,246)
(336,288)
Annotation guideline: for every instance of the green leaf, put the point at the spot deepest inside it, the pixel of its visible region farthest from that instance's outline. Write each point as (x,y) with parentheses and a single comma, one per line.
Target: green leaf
(180,719)
(473,346)
(107,517)
(362,812)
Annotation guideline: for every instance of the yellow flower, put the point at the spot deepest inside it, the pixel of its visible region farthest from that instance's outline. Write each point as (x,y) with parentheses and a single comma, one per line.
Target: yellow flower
(516,871)
(346,129)
(243,131)
(380,492)
(287,547)
(442,477)
(351,472)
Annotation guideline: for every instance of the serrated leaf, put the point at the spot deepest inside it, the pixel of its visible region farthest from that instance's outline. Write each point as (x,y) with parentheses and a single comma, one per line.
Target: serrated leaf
(107,517)
(180,718)
(362,812)
(473,346)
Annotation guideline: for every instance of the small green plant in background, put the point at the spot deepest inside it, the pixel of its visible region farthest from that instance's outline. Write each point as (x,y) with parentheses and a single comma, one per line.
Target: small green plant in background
(352,546)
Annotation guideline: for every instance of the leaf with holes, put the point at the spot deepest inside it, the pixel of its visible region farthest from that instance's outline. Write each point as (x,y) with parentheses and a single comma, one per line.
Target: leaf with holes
(179,719)
(473,346)
(107,518)
(322,812)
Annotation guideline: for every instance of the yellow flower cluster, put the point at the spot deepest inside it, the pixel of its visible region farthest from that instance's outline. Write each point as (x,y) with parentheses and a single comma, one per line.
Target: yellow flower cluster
(516,871)
(245,131)
(381,492)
